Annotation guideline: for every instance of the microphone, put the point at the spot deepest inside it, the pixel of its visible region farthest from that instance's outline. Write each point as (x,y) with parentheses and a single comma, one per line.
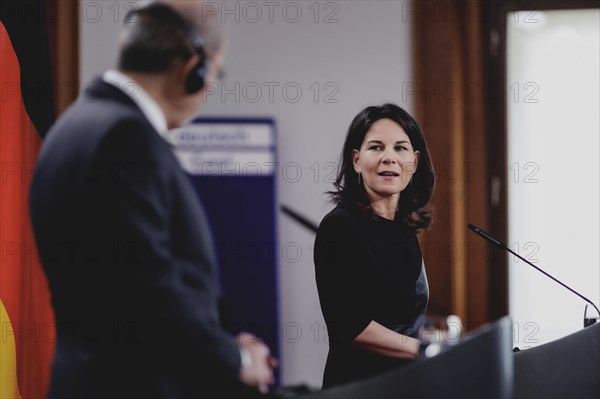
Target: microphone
(505,247)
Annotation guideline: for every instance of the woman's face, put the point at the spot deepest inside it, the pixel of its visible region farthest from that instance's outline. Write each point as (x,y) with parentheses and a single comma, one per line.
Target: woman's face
(386,160)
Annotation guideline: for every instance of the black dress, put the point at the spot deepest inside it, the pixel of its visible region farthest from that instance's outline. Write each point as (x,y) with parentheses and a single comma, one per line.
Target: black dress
(368,268)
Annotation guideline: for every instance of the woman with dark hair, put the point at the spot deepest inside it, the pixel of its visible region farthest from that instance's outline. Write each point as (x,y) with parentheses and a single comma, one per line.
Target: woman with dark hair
(369,269)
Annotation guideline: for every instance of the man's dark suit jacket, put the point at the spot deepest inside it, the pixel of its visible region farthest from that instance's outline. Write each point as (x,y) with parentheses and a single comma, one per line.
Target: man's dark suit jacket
(126,248)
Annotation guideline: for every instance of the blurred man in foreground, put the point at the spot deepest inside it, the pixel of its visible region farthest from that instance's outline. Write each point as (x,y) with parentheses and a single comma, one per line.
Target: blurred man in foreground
(121,233)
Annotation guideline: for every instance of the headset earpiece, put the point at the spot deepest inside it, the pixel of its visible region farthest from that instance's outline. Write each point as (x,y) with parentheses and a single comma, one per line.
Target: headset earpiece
(197,76)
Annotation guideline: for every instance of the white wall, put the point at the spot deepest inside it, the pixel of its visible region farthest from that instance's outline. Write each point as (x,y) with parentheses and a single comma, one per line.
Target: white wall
(357,53)
(553,177)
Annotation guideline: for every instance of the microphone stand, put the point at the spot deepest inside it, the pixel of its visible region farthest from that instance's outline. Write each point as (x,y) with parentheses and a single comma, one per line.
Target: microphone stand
(505,247)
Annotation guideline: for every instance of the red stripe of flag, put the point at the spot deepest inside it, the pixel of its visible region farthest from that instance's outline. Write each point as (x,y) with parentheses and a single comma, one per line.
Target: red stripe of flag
(23,287)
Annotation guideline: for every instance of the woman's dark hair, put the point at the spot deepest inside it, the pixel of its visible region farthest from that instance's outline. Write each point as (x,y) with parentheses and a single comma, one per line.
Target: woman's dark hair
(414,207)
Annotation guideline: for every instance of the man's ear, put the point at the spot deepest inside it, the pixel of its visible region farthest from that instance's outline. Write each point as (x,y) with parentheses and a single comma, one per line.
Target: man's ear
(355,157)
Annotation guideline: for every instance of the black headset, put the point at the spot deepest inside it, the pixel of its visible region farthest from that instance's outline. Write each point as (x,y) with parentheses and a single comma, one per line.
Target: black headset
(194,82)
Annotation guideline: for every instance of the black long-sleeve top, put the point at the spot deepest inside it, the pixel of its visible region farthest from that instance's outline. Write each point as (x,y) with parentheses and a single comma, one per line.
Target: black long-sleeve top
(368,268)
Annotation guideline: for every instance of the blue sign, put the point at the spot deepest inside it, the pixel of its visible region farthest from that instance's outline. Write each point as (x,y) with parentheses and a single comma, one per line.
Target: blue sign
(232,166)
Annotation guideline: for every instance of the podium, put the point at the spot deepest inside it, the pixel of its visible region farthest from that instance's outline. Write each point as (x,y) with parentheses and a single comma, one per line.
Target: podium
(480,366)
(566,368)
(483,365)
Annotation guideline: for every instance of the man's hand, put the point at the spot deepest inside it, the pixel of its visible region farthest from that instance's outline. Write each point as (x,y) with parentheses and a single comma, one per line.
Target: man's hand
(257,363)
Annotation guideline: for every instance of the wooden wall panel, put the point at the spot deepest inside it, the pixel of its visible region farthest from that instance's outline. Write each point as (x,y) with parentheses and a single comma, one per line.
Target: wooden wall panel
(62,17)
(448,64)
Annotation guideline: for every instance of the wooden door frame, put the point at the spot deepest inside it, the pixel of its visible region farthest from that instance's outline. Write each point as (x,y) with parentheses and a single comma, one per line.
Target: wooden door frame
(494,28)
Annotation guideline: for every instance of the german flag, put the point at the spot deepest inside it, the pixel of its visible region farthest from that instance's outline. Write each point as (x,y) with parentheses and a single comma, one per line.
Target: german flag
(27,335)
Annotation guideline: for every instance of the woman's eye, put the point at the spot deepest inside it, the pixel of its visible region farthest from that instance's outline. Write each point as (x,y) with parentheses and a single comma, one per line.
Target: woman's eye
(376,147)
(401,148)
